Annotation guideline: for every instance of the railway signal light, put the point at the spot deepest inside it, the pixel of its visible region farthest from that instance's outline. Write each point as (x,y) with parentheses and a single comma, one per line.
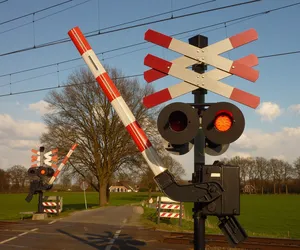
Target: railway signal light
(223,123)
(41,171)
(178,123)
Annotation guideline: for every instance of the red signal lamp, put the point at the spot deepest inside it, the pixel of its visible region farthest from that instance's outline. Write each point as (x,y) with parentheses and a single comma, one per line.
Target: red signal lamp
(223,123)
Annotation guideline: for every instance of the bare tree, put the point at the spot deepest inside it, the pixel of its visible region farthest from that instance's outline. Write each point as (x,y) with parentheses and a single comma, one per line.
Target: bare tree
(276,165)
(243,164)
(286,174)
(297,167)
(261,169)
(81,113)
(4,181)
(18,176)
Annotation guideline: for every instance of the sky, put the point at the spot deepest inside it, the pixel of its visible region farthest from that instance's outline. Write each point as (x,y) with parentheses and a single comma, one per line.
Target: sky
(29,61)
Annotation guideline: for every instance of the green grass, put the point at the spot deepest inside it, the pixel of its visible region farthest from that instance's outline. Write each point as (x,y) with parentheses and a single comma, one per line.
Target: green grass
(261,215)
(264,215)
(12,204)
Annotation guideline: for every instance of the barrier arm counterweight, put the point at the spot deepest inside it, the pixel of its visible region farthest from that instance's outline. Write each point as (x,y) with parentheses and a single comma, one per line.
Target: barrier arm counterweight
(62,164)
(205,192)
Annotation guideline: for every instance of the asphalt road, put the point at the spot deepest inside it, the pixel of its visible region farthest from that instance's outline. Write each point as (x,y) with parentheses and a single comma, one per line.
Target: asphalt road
(109,228)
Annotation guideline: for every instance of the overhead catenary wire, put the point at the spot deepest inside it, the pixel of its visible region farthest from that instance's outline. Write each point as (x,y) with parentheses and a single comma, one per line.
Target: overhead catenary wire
(41,18)
(234,21)
(3,1)
(35,12)
(130,76)
(156,15)
(64,40)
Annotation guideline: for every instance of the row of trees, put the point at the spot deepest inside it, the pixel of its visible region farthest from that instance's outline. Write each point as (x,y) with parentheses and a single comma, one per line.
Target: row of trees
(268,175)
(13,179)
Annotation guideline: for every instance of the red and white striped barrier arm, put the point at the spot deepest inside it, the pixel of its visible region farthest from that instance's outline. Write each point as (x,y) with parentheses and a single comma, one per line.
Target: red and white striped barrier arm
(185,87)
(62,164)
(202,80)
(117,101)
(210,55)
(216,48)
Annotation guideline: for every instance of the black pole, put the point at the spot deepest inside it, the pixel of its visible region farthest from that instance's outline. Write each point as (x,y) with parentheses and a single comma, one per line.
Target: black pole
(199,153)
(40,202)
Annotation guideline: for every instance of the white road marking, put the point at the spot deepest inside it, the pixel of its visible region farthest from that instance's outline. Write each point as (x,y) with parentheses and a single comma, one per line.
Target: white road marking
(8,239)
(111,242)
(51,222)
(23,233)
(19,235)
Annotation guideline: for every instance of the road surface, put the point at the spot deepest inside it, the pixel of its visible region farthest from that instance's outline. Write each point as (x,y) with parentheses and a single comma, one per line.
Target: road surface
(109,228)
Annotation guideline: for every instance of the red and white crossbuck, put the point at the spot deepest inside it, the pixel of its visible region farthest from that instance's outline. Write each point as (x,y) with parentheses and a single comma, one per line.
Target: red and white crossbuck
(209,80)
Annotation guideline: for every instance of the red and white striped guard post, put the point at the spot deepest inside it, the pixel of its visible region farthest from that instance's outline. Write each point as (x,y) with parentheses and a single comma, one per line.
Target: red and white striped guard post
(110,90)
(183,88)
(210,55)
(62,164)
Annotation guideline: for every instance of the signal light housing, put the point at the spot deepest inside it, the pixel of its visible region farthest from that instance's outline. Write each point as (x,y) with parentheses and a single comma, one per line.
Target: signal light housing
(41,171)
(223,123)
(178,123)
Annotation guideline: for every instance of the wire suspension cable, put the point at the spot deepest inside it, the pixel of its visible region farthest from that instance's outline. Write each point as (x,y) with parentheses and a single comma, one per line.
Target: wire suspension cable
(237,20)
(64,40)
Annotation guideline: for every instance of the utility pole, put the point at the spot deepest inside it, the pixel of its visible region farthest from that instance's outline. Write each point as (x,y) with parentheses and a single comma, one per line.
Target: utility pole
(199,151)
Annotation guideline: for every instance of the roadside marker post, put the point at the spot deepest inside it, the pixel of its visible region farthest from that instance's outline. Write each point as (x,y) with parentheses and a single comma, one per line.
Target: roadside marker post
(84,185)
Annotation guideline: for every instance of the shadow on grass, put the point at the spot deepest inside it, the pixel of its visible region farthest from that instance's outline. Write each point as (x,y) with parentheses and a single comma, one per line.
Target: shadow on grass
(102,241)
(79,206)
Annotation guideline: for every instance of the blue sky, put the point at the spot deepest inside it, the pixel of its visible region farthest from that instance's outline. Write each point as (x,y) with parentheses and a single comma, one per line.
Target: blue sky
(277,85)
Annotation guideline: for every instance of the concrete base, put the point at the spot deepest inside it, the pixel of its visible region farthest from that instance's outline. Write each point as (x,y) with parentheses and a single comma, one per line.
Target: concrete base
(41,216)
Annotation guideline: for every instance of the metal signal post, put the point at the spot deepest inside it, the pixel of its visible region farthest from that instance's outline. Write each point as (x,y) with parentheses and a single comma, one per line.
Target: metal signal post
(199,152)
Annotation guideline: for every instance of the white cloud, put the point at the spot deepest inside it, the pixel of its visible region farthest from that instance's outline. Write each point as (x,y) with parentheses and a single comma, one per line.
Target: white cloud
(269,111)
(283,144)
(17,138)
(40,107)
(295,108)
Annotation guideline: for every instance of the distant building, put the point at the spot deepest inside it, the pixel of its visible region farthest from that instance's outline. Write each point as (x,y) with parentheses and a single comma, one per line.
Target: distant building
(122,187)
(249,189)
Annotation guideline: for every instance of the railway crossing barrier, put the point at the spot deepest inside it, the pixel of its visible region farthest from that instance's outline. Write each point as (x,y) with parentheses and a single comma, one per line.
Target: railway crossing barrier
(52,204)
(214,189)
(165,205)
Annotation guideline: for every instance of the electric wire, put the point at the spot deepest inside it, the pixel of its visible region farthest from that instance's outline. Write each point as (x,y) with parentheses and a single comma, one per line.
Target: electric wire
(35,12)
(64,40)
(63,86)
(228,22)
(3,1)
(130,76)
(41,18)
(156,15)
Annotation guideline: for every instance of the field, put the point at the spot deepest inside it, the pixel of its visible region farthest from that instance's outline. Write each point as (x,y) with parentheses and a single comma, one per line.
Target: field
(12,204)
(263,215)
(266,215)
